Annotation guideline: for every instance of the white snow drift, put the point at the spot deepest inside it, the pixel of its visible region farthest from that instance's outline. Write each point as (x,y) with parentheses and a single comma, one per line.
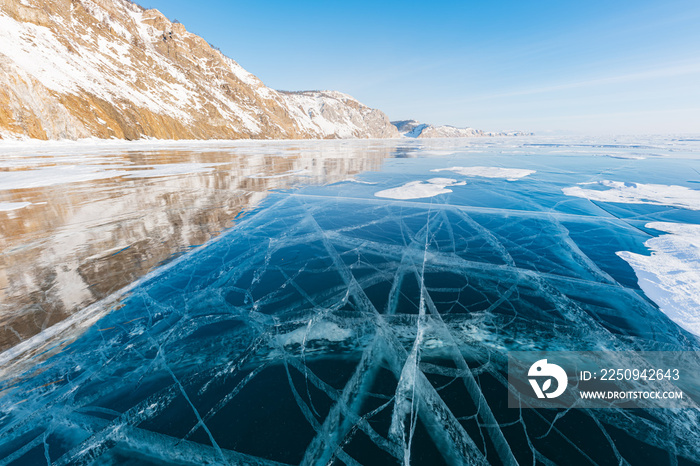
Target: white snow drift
(638,193)
(510,174)
(670,276)
(420,189)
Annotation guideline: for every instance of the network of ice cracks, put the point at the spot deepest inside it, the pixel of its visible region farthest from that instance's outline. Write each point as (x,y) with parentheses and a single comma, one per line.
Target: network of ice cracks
(325,329)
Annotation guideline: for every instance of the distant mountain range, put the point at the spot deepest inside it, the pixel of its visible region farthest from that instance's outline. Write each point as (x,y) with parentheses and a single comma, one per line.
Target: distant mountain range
(72,69)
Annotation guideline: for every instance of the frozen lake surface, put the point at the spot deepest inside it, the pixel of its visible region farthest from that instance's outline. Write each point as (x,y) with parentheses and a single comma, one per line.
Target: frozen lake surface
(338,302)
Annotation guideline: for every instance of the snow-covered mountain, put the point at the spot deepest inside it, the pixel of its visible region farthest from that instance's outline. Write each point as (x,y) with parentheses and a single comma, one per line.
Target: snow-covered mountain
(336,114)
(416,129)
(409,128)
(111,69)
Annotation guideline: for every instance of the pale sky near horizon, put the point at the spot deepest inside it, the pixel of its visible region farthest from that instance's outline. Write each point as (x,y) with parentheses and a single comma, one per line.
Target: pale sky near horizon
(595,67)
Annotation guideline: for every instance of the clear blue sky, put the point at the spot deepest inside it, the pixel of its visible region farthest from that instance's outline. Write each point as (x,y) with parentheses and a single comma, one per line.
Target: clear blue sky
(588,66)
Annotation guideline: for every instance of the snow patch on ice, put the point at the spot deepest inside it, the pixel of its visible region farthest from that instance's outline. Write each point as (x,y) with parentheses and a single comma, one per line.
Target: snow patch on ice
(626,156)
(8,206)
(420,189)
(353,180)
(670,276)
(510,174)
(50,176)
(76,173)
(638,193)
(328,331)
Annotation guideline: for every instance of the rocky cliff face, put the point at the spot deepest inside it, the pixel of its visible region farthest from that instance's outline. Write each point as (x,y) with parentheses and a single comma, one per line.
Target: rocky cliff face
(110,69)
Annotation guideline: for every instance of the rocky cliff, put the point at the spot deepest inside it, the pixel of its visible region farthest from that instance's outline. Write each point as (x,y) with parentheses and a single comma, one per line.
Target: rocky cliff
(111,69)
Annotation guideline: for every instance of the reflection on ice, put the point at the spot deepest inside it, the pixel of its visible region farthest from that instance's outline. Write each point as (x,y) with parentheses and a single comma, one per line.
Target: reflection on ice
(280,175)
(90,225)
(170,169)
(331,326)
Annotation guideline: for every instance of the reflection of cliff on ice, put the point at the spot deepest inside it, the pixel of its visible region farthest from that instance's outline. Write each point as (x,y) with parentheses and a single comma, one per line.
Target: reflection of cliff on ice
(100,216)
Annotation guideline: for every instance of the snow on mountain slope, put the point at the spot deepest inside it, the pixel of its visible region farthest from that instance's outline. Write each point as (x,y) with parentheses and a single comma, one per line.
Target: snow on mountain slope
(449,132)
(111,69)
(410,128)
(333,113)
(416,129)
